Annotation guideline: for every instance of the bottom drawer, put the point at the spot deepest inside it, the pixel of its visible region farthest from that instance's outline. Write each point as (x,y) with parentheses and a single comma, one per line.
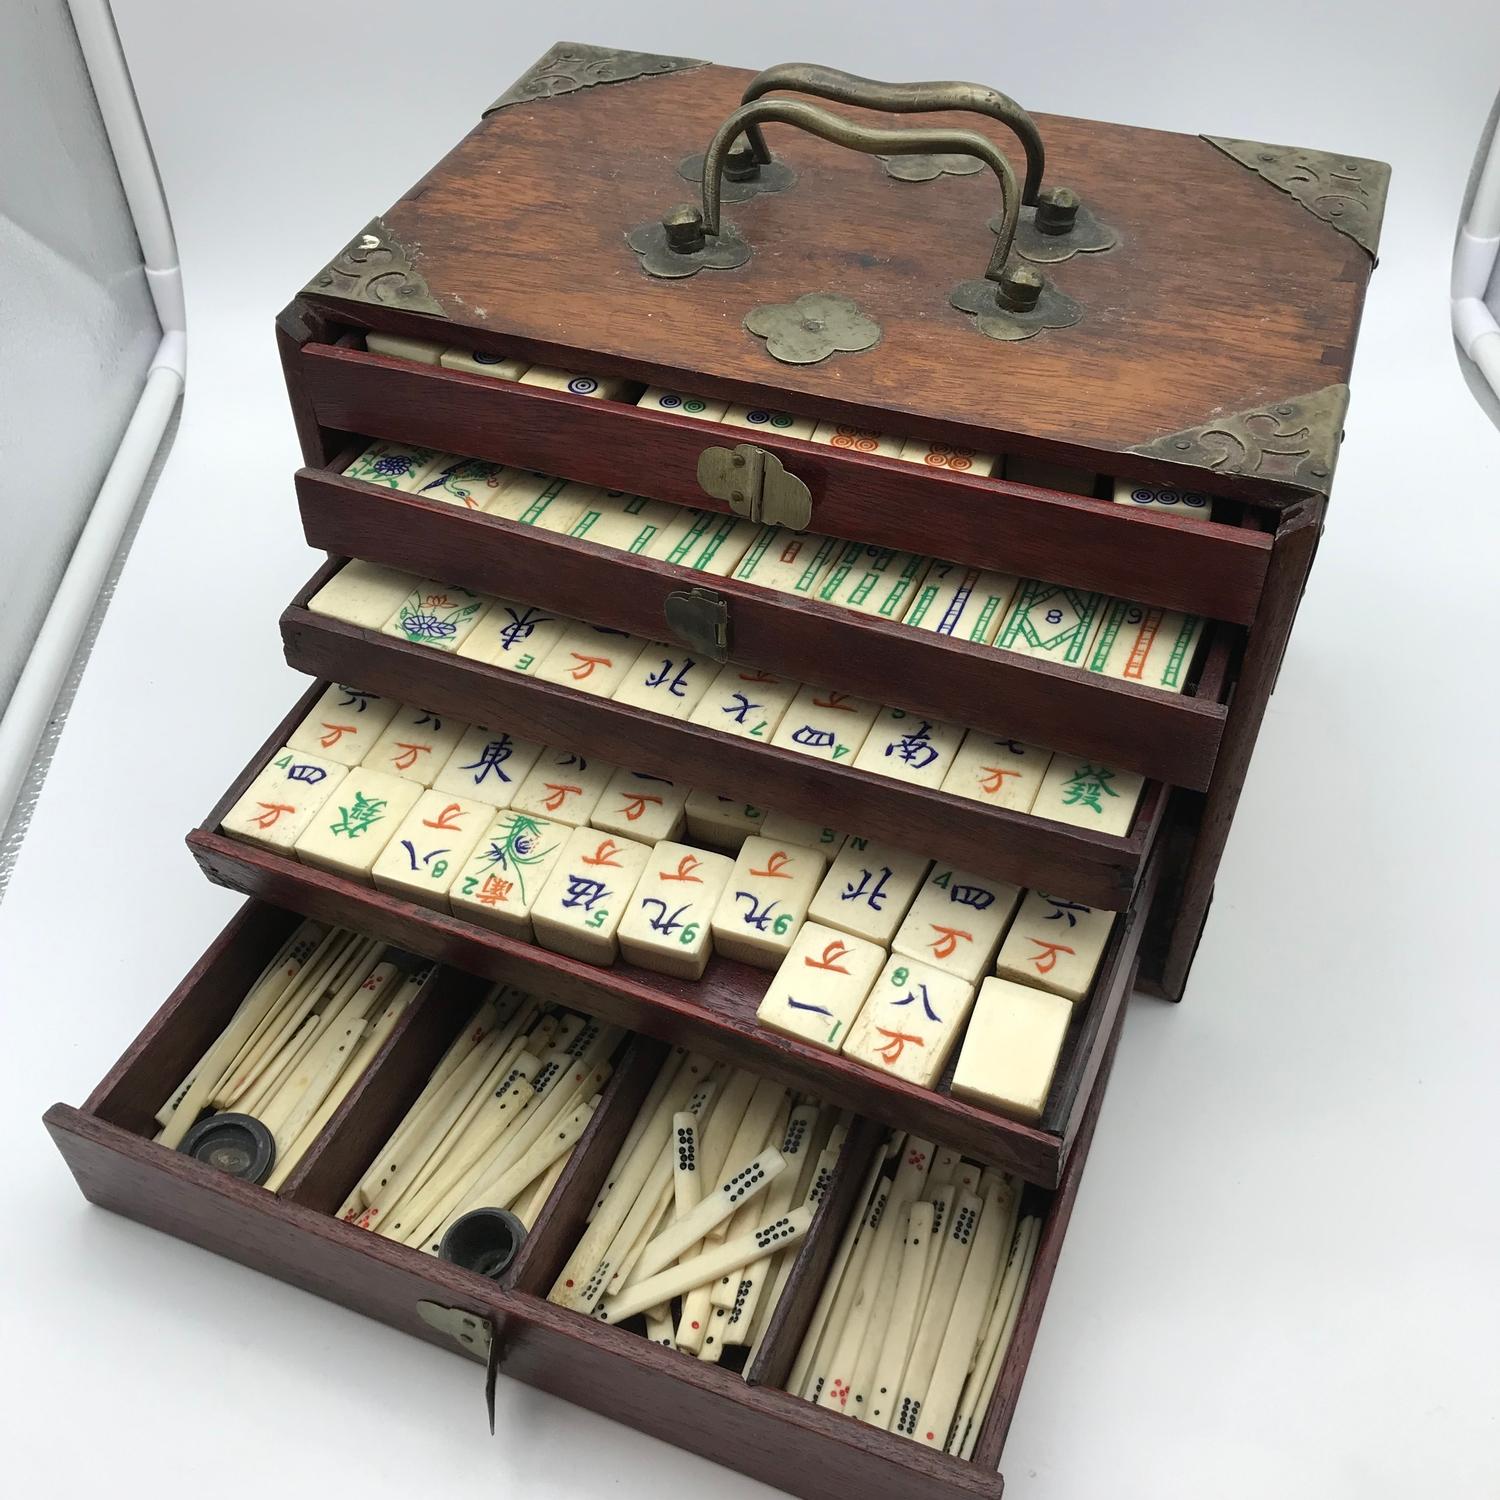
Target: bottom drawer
(742,1420)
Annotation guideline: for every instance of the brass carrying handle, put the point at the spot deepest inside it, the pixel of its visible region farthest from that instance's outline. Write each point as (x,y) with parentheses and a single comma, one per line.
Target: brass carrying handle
(900,99)
(867,138)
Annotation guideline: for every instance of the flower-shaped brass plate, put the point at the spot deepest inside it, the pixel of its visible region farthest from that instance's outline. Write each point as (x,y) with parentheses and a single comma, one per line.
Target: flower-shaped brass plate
(774,177)
(1053,309)
(1087,236)
(721,252)
(816,325)
(925,168)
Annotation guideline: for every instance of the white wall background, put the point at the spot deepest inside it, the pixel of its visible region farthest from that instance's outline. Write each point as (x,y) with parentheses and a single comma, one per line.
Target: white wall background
(1281,1277)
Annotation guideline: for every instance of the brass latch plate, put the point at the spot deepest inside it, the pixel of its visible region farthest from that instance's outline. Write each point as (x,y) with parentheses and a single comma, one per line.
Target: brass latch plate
(699,618)
(756,485)
(475,1335)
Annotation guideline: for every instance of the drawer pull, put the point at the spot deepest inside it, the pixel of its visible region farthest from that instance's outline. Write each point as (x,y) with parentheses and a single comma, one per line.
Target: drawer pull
(474,1334)
(756,485)
(699,618)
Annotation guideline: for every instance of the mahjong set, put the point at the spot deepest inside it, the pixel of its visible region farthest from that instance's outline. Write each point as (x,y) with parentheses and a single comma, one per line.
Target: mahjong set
(803,587)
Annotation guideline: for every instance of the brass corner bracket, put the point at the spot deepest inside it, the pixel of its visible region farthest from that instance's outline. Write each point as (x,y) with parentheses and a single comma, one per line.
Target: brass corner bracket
(1346,192)
(566,67)
(1293,442)
(376,267)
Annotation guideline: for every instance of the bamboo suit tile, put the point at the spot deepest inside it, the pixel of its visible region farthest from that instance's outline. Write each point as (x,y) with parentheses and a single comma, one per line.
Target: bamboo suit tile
(393,466)
(439,615)
(966,604)
(1011,1049)
(628,523)
(790,830)
(344,724)
(583,901)
(645,808)
(821,985)
(907,747)
(667,926)
(705,541)
(999,772)
(704,408)
(722,822)
(857,439)
(469,483)
(1055,945)
(416,744)
(357,822)
(363,593)
(911,1020)
(790,562)
(873,580)
(487,766)
(501,880)
(592,659)
(951,456)
(599,387)
(745,702)
(514,637)
(869,889)
(667,680)
(398,346)
(826,724)
(284,799)
(1139,643)
(761,419)
(1049,476)
(1054,623)
(1163,497)
(429,848)
(564,787)
(1088,795)
(957,921)
(766,901)
(480,362)
(531,499)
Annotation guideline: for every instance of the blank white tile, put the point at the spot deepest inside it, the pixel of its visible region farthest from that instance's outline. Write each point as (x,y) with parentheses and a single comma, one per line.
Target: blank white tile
(592,659)
(666,680)
(514,637)
(857,439)
(1011,1048)
(910,748)
(869,889)
(789,562)
(820,986)
(394,466)
(480,362)
(469,483)
(363,593)
(1054,623)
(487,766)
(998,772)
(585,898)
(439,615)
(628,523)
(501,880)
(744,702)
(646,808)
(601,387)
(873,580)
(283,800)
(765,901)
(1163,497)
(429,848)
(667,926)
(1085,794)
(415,745)
(965,604)
(531,499)
(952,456)
(957,921)
(790,830)
(721,822)
(704,408)
(564,787)
(706,541)
(357,821)
(911,1020)
(1139,643)
(1049,476)
(826,724)
(1055,945)
(399,346)
(762,419)
(344,724)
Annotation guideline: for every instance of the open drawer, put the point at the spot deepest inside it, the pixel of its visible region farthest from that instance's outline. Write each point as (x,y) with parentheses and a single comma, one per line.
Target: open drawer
(743,1421)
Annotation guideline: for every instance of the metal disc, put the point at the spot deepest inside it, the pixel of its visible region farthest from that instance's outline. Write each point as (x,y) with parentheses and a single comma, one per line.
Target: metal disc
(237,1144)
(484,1240)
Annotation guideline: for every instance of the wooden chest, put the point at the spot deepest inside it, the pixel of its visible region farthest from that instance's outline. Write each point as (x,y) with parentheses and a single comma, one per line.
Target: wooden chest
(1153,332)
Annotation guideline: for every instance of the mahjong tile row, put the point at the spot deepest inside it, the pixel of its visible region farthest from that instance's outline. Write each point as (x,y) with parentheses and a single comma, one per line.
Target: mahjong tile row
(1072,627)
(822,723)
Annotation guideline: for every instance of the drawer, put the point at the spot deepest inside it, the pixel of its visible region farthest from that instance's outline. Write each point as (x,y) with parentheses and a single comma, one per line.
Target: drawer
(716,1014)
(1168,737)
(745,1423)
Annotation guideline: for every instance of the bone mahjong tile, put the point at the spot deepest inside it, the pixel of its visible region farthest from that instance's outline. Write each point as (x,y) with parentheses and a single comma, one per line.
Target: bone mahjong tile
(1087,795)
(357,821)
(869,889)
(907,747)
(503,877)
(646,808)
(1139,643)
(600,387)
(344,724)
(826,724)
(790,562)
(1163,497)
(628,523)
(1055,945)
(857,439)
(363,593)
(439,615)
(821,985)
(1050,621)
(398,346)
(666,680)
(704,408)
(479,362)
(873,580)
(706,541)
(394,466)
(514,637)
(581,904)
(721,822)
(429,848)
(763,420)
(531,499)
(965,603)
(957,921)
(1011,1049)
(1049,476)
(792,830)
(487,766)
(667,927)
(591,659)
(564,787)
(416,744)
(766,900)
(1000,772)
(951,456)
(284,799)
(745,702)
(469,483)
(909,1023)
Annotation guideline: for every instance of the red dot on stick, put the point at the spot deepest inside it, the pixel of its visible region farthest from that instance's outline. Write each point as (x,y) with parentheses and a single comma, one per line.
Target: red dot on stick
(696,1324)
(569,1281)
(932,1437)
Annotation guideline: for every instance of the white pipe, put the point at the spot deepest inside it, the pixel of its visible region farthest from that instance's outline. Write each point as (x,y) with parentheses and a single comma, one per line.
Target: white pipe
(1474,259)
